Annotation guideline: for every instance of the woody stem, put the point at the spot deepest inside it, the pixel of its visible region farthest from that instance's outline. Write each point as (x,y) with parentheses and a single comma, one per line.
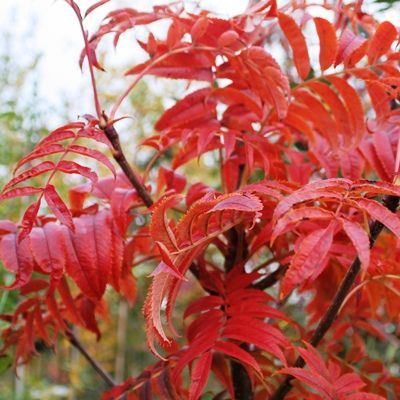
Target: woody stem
(391,203)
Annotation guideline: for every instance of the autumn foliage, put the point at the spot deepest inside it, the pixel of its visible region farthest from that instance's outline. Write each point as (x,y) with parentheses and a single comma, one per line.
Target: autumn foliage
(299,114)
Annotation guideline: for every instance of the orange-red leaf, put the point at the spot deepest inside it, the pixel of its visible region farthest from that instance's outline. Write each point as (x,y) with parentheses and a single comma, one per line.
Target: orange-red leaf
(199,375)
(95,154)
(381,41)
(58,207)
(159,227)
(234,351)
(30,173)
(166,265)
(40,152)
(71,167)
(353,103)
(301,196)
(297,42)
(327,380)
(199,28)
(327,42)
(380,213)
(21,191)
(228,38)
(48,250)
(94,6)
(384,152)
(293,216)
(348,45)
(17,258)
(29,218)
(192,109)
(360,241)
(309,259)
(90,253)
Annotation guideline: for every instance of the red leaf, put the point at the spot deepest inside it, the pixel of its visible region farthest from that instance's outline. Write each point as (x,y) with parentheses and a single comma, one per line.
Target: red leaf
(71,167)
(97,155)
(58,207)
(79,263)
(68,301)
(353,104)
(30,173)
(231,95)
(175,33)
(380,213)
(90,253)
(301,196)
(171,180)
(90,53)
(348,383)
(41,326)
(167,265)
(383,149)
(34,285)
(17,258)
(337,108)
(380,43)
(192,109)
(234,351)
(366,396)
(199,28)
(118,390)
(29,218)
(94,6)
(228,38)
(314,361)
(54,311)
(19,192)
(349,44)
(7,226)
(325,380)
(159,226)
(198,347)
(238,202)
(297,42)
(48,250)
(189,65)
(202,304)
(295,215)
(375,188)
(308,260)
(122,200)
(199,375)
(59,134)
(360,241)
(316,382)
(327,42)
(259,333)
(152,308)
(40,152)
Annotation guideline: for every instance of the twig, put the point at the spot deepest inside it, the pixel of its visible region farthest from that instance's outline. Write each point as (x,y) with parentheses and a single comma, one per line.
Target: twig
(120,158)
(87,51)
(92,361)
(329,317)
(237,252)
(270,279)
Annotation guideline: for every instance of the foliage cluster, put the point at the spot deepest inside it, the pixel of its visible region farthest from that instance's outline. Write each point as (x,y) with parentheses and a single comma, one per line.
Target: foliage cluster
(303,213)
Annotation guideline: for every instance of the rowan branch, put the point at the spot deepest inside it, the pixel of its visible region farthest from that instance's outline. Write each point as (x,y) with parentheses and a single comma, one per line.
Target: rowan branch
(270,279)
(92,361)
(391,203)
(238,251)
(120,158)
